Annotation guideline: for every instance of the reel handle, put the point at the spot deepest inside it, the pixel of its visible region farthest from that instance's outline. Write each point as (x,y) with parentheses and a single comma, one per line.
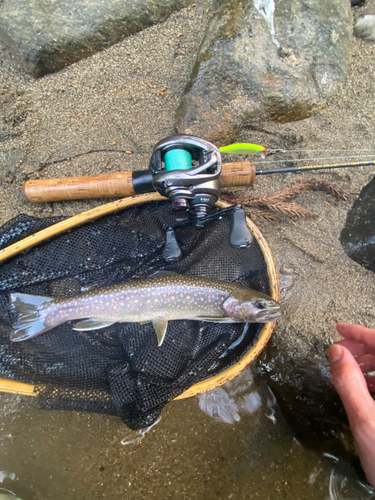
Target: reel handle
(121,184)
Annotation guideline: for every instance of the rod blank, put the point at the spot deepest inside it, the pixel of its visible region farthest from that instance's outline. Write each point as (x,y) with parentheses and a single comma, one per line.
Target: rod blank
(313,167)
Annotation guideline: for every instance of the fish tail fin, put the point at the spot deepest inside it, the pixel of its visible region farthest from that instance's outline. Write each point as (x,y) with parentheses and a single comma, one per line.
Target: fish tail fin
(31,315)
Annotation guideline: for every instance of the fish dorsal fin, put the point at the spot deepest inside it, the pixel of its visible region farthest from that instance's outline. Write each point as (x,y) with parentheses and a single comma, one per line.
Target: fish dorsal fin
(160,274)
(160,326)
(91,324)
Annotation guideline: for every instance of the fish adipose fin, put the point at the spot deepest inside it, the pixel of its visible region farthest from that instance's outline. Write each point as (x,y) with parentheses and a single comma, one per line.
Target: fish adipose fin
(160,326)
(91,324)
(31,316)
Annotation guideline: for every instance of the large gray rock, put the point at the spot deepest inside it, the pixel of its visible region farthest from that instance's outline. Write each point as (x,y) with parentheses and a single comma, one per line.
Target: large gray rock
(305,394)
(47,35)
(260,60)
(358,235)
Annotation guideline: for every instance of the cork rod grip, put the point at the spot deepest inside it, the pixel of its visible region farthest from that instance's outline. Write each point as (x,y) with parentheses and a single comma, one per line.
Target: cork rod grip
(114,185)
(119,184)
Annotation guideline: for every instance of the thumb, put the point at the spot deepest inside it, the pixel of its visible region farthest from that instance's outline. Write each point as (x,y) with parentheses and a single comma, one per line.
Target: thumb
(351,385)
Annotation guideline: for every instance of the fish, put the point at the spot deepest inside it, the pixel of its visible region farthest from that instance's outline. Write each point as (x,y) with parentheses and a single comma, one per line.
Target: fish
(160,298)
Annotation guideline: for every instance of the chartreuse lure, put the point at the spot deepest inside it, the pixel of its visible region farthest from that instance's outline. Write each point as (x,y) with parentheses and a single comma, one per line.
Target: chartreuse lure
(242,148)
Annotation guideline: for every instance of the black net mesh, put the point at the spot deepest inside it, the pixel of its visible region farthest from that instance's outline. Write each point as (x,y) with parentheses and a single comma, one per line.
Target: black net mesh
(120,369)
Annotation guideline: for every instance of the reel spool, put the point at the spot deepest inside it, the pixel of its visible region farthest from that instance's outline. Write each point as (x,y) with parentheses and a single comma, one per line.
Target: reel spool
(188,186)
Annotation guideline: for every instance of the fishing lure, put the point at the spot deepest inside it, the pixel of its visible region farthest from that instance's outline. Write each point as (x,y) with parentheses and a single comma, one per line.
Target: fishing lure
(242,148)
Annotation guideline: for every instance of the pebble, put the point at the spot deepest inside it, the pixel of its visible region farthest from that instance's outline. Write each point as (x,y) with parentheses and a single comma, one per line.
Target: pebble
(365,28)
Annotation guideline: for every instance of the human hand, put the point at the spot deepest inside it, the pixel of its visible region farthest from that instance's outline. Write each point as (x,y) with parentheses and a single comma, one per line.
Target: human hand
(354,389)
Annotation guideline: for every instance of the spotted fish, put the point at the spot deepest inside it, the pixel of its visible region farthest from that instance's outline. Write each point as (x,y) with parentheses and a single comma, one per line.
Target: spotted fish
(158,299)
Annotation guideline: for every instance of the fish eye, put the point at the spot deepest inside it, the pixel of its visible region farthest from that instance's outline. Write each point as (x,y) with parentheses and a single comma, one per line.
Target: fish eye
(261,304)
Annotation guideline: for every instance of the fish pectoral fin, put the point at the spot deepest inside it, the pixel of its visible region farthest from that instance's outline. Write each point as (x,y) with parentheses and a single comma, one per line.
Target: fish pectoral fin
(91,324)
(160,326)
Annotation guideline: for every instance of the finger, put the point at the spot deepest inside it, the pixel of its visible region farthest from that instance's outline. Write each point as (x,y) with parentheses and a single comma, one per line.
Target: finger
(359,405)
(357,333)
(354,347)
(366,363)
(351,385)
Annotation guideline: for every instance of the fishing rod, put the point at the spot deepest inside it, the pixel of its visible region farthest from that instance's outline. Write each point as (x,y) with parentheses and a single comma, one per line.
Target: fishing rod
(174,173)
(306,168)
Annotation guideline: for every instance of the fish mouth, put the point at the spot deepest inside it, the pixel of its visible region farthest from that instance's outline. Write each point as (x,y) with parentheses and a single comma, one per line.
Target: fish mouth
(270,315)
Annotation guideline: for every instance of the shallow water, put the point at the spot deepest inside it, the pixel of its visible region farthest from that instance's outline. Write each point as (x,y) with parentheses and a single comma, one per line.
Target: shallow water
(188,454)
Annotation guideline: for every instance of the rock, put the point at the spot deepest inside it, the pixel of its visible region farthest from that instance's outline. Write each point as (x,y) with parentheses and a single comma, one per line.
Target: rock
(47,36)
(358,235)
(357,3)
(308,400)
(259,61)
(365,28)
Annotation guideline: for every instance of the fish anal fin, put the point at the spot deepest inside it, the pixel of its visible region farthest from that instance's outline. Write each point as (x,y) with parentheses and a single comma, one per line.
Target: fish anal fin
(91,324)
(160,326)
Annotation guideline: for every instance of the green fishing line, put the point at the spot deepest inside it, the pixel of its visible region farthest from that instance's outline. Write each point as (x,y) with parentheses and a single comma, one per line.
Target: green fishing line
(177,159)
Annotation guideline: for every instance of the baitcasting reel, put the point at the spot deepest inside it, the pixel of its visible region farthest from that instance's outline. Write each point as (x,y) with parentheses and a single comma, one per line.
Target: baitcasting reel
(186,170)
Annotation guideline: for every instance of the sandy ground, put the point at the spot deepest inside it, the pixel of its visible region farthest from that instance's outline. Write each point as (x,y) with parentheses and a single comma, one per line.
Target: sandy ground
(81,121)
